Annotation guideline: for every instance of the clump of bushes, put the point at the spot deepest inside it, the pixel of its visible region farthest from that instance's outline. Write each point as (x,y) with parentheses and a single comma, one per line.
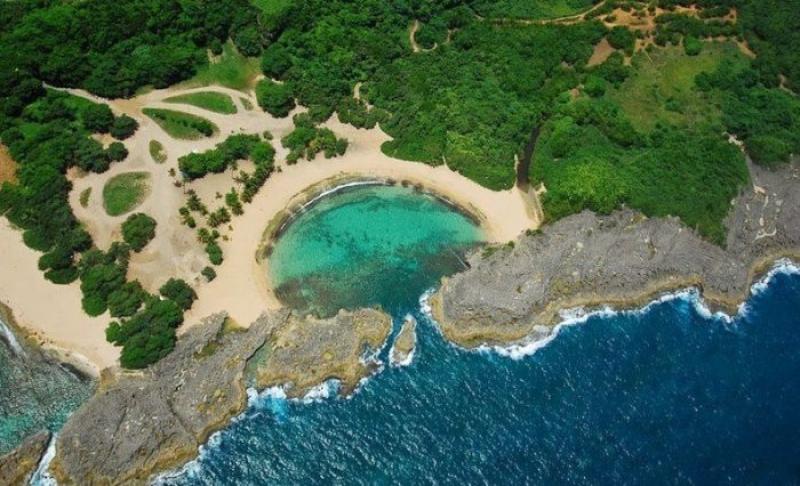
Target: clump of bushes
(138,230)
(307,140)
(275,98)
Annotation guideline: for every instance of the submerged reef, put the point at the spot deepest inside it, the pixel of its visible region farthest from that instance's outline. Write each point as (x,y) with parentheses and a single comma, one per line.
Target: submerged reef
(622,259)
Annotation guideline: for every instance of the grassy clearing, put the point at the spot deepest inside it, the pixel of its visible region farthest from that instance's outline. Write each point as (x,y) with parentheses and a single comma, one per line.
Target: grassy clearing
(181,125)
(207,100)
(158,152)
(662,88)
(84,197)
(124,192)
(231,69)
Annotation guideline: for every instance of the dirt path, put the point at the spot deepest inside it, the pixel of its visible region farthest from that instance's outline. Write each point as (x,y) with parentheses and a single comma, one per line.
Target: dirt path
(568,19)
(241,286)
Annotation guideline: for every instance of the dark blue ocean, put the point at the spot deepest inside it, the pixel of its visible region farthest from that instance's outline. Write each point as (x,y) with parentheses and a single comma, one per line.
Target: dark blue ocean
(667,395)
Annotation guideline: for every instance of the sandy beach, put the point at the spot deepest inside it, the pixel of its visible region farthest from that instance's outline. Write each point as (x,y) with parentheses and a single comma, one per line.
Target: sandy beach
(241,287)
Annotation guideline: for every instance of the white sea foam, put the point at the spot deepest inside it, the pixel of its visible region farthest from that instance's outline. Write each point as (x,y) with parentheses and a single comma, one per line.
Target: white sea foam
(11,338)
(544,335)
(399,363)
(41,476)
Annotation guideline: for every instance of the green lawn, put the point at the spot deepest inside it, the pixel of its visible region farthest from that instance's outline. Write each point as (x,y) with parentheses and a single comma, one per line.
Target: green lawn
(662,86)
(207,100)
(181,125)
(157,152)
(231,70)
(123,192)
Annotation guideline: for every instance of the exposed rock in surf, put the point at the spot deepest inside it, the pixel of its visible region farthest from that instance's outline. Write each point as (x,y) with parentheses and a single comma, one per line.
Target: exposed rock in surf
(404,344)
(17,466)
(140,424)
(623,259)
(307,351)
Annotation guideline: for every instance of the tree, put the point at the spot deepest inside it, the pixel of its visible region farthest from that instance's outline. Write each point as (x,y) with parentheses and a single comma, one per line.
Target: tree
(276,99)
(179,291)
(214,253)
(209,273)
(98,118)
(116,151)
(276,61)
(138,230)
(692,45)
(123,127)
(126,300)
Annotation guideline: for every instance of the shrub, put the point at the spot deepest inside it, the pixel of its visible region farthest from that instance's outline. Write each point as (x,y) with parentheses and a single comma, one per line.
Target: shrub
(138,230)
(98,118)
(123,127)
(116,152)
(692,46)
(276,99)
(209,273)
(179,291)
(214,253)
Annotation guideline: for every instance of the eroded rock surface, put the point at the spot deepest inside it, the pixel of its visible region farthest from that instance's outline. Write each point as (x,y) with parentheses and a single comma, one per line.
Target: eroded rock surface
(307,351)
(17,466)
(404,343)
(622,259)
(140,424)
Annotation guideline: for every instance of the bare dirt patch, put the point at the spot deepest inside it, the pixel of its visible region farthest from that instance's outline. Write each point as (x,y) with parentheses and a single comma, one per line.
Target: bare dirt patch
(8,166)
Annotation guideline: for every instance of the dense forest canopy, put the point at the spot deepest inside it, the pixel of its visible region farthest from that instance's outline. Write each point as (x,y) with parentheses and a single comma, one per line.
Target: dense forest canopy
(459,82)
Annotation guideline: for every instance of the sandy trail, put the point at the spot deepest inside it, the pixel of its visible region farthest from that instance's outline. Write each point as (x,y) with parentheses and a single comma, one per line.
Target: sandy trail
(241,287)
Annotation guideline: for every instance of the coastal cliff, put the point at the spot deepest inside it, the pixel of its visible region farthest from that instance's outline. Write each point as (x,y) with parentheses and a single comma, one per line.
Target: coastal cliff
(622,259)
(139,424)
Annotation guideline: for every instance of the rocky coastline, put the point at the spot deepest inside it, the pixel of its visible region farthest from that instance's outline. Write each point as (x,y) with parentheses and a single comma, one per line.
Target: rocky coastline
(624,260)
(139,424)
(402,351)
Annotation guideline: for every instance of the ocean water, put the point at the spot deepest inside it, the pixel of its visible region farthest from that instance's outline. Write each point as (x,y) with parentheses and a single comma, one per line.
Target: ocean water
(670,394)
(368,245)
(36,393)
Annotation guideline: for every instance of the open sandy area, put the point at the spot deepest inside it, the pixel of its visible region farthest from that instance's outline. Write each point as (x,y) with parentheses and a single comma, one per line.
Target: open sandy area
(53,312)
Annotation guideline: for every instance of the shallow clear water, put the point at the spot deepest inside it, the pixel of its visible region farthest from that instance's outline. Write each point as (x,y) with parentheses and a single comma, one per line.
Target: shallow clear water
(35,392)
(368,245)
(670,394)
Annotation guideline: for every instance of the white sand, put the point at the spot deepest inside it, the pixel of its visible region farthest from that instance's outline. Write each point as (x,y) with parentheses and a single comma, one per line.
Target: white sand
(241,287)
(52,313)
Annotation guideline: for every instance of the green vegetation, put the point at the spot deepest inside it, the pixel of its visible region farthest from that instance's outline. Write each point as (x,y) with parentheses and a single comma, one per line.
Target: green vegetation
(275,98)
(231,69)
(651,136)
(113,51)
(123,192)
(522,9)
(98,118)
(84,197)
(123,127)
(663,88)
(207,100)
(157,152)
(181,125)
(235,147)
(306,141)
(179,291)
(138,230)
(209,273)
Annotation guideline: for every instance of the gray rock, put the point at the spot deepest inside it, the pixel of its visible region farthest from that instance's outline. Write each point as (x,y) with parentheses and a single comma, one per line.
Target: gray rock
(17,466)
(623,259)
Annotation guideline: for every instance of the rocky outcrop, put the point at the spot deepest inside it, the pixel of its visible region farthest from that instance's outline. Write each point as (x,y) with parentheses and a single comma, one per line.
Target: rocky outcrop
(140,424)
(18,466)
(622,259)
(403,348)
(307,351)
